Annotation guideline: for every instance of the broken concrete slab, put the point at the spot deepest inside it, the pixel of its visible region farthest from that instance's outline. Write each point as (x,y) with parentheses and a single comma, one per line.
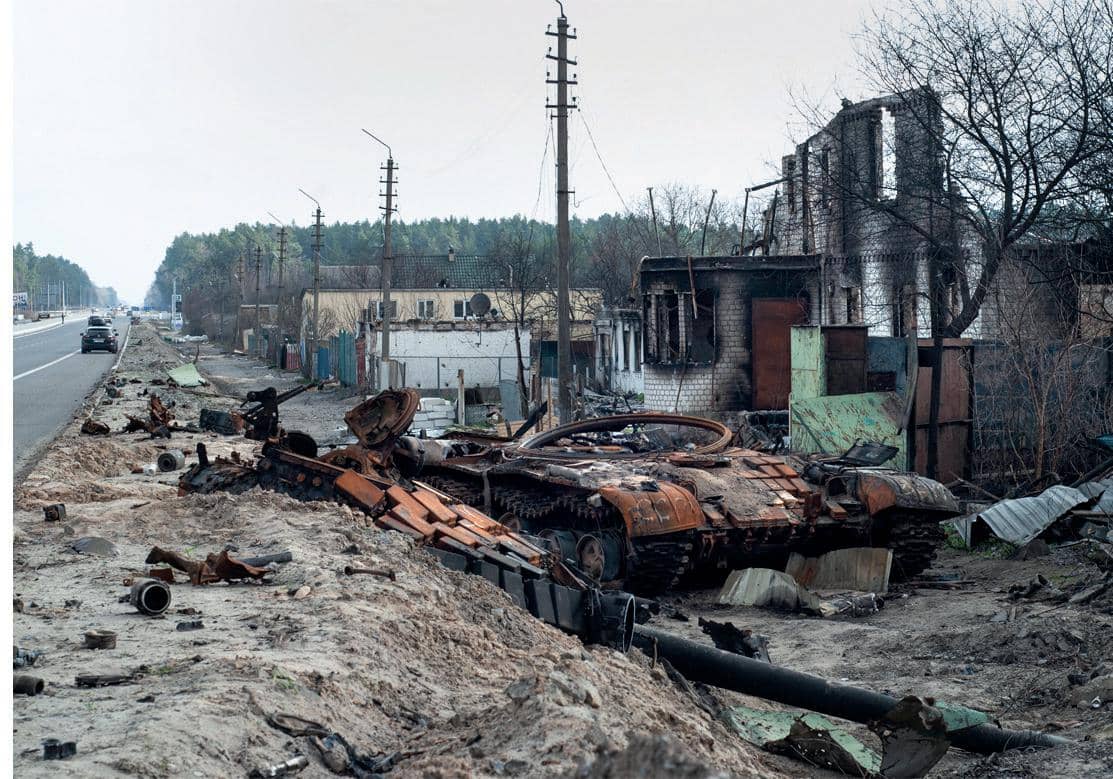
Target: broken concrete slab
(864,569)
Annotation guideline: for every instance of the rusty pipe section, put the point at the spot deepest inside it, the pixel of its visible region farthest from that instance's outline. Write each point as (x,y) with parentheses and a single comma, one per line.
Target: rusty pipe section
(535,446)
(22,684)
(717,668)
(150,596)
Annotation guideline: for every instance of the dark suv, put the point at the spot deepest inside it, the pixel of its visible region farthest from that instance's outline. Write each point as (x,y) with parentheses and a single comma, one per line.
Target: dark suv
(98,338)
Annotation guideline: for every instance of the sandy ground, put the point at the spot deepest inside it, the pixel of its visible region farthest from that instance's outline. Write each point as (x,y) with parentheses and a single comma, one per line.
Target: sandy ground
(438,666)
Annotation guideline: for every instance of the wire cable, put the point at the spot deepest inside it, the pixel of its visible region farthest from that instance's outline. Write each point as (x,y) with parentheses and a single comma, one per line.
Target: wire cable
(610,178)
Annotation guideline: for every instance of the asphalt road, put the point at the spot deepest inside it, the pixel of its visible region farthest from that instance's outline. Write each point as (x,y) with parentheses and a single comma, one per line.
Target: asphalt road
(51,378)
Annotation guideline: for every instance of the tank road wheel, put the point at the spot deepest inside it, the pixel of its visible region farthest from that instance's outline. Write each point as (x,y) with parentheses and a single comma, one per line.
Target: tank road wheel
(600,555)
(510,521)
(562,543)
(914,539)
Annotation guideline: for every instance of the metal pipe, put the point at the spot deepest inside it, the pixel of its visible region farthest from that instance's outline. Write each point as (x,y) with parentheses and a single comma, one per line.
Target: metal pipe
(701,663)
(266,559)
(171,460)
(351,570)
(27,685)
(150,596)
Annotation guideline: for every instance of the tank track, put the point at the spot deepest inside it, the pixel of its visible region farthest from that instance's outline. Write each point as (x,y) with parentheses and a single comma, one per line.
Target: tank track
(658,563)
(463,489)
(915,540)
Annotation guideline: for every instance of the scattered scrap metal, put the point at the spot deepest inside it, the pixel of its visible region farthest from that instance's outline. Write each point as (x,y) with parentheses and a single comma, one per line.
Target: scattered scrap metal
(214,568)
(461,536)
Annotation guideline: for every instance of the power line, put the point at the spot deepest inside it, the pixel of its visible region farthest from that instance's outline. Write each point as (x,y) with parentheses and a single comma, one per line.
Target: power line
(603,164)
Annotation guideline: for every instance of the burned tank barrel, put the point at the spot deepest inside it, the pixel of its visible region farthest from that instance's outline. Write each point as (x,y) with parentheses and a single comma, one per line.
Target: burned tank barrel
(793,688)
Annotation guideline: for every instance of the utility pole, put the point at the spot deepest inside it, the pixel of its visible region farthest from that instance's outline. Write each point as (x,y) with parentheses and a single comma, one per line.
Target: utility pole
(258,322)
(388,261)
(564,237)
(239,306)
(653,213)
(316,285)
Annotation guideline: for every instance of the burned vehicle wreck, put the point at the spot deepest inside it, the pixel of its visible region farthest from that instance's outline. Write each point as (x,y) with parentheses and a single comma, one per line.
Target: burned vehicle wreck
(637,502)
(462,537)
(652,501)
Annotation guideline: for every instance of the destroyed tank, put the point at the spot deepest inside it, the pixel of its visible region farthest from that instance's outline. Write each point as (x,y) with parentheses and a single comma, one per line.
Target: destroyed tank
(651,501)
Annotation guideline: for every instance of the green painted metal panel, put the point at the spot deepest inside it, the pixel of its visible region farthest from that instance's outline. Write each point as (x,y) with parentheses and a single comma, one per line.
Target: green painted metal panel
(832,424)
(808,374)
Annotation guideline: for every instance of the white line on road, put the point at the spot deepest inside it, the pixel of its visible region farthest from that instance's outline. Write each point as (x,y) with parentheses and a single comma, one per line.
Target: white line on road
(41,367)
(38,330)
(127,335)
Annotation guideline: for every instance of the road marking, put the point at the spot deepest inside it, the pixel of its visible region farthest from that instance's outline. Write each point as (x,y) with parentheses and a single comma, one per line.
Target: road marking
(127,335)
(39,330)
(41,367)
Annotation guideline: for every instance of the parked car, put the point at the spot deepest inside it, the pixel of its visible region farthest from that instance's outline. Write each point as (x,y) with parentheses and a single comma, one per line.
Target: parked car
(99,337)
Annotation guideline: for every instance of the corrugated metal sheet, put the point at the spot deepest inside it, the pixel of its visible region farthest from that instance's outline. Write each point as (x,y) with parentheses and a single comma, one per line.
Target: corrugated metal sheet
(1019,521)
(1104,489)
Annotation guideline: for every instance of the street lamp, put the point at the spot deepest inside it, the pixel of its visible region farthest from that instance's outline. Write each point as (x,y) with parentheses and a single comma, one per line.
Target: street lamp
(388,257)
(316,284)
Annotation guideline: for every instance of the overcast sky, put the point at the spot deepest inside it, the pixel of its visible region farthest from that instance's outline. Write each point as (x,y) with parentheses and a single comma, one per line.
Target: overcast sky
(136,120)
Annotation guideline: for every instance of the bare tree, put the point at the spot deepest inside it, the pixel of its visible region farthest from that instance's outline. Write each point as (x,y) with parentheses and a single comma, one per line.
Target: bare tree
(1041,394)
(1010,100)
(524,278)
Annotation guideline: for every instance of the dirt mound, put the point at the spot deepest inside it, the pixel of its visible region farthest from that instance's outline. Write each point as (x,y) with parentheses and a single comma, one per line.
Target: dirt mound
(646,757)
(1053,642)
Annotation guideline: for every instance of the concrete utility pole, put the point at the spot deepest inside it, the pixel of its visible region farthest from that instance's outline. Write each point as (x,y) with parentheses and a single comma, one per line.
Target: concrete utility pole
(258,321)
(564,237)
(239,306)
(316,285)
(388,260)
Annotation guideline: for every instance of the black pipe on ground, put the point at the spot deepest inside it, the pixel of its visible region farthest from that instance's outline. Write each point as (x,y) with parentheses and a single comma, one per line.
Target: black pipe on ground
(27,685)
(714,667)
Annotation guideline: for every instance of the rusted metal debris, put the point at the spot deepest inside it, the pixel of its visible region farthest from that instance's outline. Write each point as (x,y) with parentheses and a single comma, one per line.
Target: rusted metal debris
(461,536)
(743,642)
(644,501)
(100,639)
(92,427)
(351,570)
(214,568)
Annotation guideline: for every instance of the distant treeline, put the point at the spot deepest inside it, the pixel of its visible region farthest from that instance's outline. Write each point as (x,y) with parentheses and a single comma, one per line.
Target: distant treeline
(32,272)
(605,249)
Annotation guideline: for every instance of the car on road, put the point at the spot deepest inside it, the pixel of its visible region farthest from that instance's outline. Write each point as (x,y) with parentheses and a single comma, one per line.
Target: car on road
(97,321)
(99,337)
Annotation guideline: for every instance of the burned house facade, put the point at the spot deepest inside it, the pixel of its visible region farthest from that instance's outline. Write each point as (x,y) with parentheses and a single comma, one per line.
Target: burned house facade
(866,196)
(717,329)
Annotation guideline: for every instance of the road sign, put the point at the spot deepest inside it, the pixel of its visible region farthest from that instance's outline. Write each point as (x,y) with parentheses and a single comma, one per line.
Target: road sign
(19,298)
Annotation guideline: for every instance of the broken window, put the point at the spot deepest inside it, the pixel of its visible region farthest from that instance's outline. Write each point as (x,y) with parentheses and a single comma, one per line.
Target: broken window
(887,173)
(379,309)
(853,305)
(790,174)
(637,351)
(667,328)
(625,351)
(702,340)
(426,309)
(825,182)
(904,311)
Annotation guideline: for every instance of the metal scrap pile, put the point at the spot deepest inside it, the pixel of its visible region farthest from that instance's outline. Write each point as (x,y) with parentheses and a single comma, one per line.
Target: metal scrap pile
(462,537)
(649,500)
